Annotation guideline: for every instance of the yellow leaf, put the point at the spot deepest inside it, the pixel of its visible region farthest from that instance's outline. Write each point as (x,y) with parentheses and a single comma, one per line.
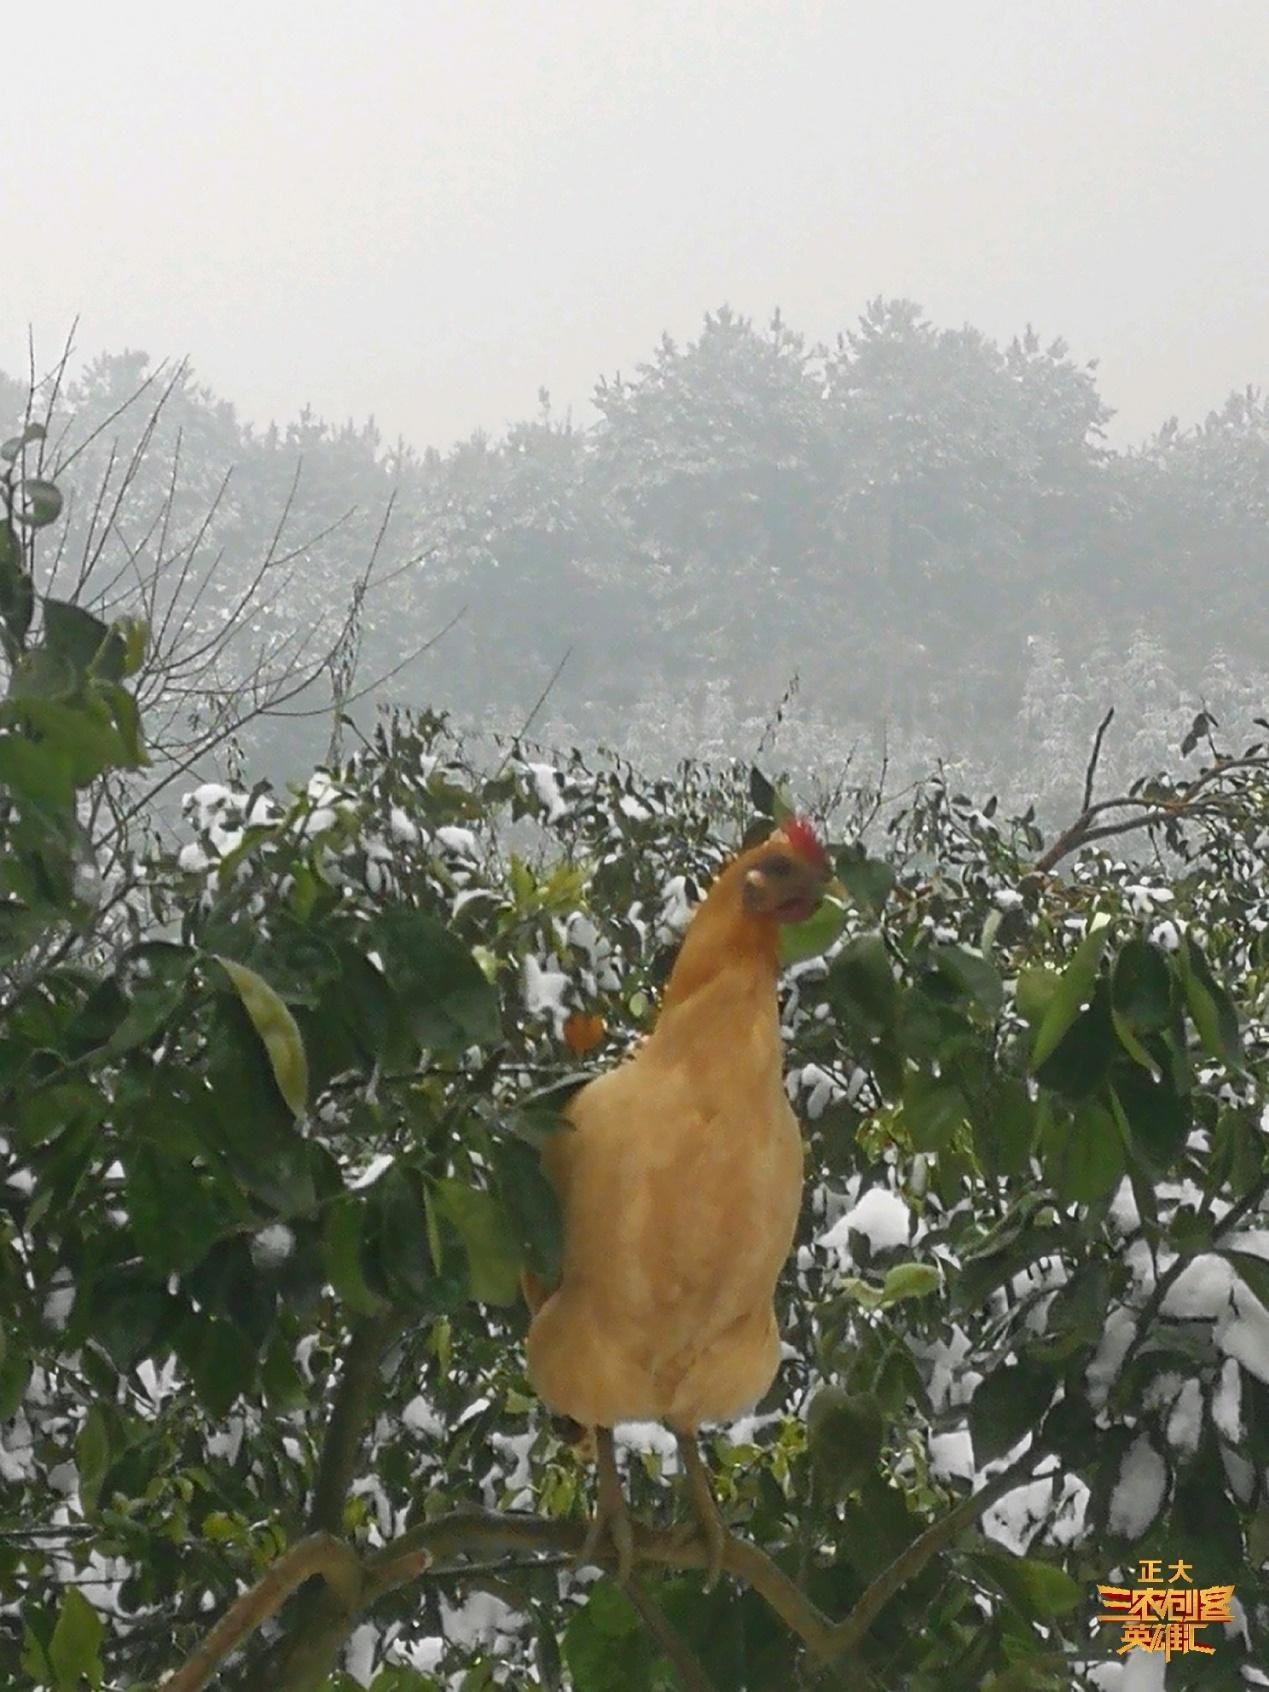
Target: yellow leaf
(277,1028)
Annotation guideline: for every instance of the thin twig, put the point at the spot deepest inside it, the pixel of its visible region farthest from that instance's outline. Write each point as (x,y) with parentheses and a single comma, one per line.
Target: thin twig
(686,1664)
(1097,752)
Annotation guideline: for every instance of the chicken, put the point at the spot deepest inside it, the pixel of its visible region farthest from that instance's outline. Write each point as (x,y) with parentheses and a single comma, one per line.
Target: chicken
(679,1178)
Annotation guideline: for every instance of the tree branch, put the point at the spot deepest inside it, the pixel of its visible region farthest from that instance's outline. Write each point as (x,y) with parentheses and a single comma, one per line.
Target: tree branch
(1151,812)
(686,1664)
(342,1445)
(443,1547)
(1097,752)
(320,1554)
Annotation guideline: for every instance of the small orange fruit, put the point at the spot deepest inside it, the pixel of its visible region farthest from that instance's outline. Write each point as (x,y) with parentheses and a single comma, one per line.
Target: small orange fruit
(582,1032)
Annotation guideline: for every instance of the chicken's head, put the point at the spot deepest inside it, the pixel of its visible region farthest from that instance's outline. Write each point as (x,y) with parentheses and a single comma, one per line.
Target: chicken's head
(787,875)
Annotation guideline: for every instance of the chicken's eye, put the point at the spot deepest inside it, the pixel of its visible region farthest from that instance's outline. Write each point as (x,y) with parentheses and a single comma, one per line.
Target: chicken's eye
(776,864)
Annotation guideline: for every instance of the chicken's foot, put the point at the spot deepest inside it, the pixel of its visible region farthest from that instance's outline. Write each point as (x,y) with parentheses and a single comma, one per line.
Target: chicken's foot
(709,1524)
(611,1515)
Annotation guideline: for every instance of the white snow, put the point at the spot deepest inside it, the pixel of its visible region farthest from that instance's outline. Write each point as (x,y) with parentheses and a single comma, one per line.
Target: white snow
(400,827)
(881,1216)
(1227,1402)
(459,840)
(371,1173)
(420,1417)
(1138,1495)
(548,781)
(1203,1288)
(676,912)
(272,1245)
(544,990)
(1116,1338)
(1185,1424)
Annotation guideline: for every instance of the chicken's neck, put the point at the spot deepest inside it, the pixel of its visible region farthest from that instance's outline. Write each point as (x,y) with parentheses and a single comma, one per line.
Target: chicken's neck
(725,939)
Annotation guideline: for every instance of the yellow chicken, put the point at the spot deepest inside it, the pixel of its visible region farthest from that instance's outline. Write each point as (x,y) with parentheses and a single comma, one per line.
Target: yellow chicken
(679,1179)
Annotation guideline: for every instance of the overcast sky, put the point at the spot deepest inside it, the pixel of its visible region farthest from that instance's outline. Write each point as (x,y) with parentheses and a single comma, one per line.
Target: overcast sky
(426,211)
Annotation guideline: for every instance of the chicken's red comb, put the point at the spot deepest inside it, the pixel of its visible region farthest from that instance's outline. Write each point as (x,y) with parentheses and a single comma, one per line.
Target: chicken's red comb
(800,834)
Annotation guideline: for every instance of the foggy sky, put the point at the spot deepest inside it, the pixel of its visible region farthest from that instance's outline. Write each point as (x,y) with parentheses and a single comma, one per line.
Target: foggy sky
(425,211)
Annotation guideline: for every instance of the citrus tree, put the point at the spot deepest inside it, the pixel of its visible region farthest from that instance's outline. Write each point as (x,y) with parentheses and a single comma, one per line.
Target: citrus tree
(268,1176)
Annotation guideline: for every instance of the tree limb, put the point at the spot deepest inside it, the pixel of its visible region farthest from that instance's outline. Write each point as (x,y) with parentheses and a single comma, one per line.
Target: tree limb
(1091,772)
(320,1554)
(1151,812)
(342,1445)
(443,1547)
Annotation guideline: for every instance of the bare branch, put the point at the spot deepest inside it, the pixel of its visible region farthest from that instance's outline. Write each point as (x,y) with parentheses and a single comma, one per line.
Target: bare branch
(1152,812)
(1097,752)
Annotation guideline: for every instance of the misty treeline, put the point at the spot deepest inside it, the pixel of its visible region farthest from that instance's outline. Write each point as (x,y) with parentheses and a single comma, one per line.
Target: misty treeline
(923,532)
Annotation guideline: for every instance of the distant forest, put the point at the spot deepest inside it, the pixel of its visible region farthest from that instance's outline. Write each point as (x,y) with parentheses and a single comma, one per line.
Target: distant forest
(914,545)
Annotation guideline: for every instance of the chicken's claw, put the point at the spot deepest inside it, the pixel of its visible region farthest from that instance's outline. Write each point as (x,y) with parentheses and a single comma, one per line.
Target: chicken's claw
(611,1515)
(709,1524)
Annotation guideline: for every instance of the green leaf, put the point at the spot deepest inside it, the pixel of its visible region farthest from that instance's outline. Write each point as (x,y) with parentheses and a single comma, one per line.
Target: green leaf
(1084,1157)
(12,447)
(1035,991)
(74,634)
(761,793)
(159,1189)
(1073,991)
(605,1645)
(909,1280)
(532,1205)
(40,503)
(445,994)
(1040,1590)
(488,1237)
(134,633)
(17,593)
(83,732)
(869,881)
(341,1254)
(32,771)
(860,976)
(844,1433)
(282,1382)
(123,708)
(1157,1117)
(404,1254)
(1006,1405)
(933,1109)
(1252,1270)
(1210,1006)
(272,1020)
(74,1651)
(1081,1060)
(92,1457)
(977,977)
(220,1359)
(1004,1127)
(1141,986)
(155,975)
(44,1113)
(905,1280)
(801,940)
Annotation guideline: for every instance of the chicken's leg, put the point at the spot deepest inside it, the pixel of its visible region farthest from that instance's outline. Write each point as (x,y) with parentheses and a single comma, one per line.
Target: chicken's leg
(611,1514)
(708,1520)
